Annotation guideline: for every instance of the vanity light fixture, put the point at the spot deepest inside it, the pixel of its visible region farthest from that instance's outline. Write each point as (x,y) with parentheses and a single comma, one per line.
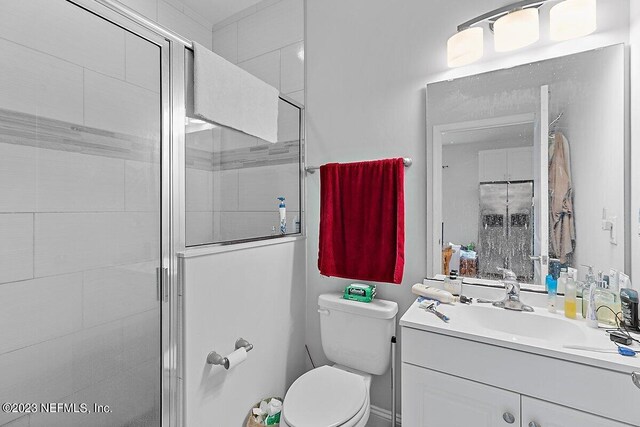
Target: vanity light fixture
(516,29)
(571,19)
(465,47)
(518,25)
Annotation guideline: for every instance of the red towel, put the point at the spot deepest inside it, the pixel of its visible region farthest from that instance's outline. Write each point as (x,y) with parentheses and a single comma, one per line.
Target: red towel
(362,220)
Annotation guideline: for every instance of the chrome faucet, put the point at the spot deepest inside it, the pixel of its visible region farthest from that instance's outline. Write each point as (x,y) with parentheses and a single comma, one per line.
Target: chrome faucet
(511,300)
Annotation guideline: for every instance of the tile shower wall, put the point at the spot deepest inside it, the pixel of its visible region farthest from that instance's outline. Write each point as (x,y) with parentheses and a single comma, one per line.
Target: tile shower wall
(78,223)
(236,202)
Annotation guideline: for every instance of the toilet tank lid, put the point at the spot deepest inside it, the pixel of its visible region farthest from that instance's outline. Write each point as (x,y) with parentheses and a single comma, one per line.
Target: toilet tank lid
(378,308)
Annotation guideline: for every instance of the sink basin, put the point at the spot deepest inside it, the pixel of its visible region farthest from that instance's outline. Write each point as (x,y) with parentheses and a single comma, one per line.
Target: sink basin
(535,325)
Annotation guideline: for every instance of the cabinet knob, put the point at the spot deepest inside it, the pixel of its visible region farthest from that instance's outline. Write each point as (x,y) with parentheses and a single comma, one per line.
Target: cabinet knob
(508,418)
(534,424)
(635,377)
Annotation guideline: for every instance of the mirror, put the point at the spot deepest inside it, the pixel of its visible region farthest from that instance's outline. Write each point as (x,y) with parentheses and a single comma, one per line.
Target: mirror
(527,169)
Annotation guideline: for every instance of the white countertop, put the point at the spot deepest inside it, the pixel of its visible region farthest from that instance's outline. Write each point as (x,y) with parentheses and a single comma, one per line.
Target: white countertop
(473,322)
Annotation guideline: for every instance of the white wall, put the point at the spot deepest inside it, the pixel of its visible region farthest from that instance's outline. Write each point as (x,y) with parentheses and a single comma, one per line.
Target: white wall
(635,137)
(257,294)
(367,65)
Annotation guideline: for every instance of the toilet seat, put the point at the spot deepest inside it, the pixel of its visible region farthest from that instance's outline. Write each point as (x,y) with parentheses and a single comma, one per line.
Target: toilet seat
(326,397)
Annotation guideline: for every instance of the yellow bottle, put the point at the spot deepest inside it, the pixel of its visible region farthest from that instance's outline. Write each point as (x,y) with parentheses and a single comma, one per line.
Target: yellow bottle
(569,294)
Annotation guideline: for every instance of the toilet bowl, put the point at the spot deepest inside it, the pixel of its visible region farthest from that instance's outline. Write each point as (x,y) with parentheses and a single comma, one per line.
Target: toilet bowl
(328,396)
(338,395)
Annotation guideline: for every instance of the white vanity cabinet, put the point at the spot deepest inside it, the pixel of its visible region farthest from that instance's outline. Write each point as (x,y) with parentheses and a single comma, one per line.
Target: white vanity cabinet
(539,413)
(456,376)
(434,399)
(431,398)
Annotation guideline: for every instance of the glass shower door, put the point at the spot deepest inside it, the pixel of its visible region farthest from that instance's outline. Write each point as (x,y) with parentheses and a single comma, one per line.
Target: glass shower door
(80,219)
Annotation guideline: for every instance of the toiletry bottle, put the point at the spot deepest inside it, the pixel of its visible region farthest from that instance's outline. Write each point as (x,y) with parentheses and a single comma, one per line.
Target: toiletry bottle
(452,283)
(569,295)
(434,293)
(607,303)
(283,215)
(591,317)
(552,293)
(589,279)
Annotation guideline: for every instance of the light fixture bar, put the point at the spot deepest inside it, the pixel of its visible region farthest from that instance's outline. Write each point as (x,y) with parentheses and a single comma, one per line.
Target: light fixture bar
(500,11)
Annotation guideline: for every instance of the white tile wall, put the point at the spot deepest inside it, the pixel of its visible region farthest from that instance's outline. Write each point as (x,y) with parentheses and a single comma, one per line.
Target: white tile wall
(73,182)
(118,106)
(199,197)
(39,310)
(17,177)
(139,179)
(266,67)
(184,25)
(200,227)
(259,187)
(226,190)
(20,422)
(225,42)
(65,31)
(142,63)
(230,140)
(118,292)
(16,247)
(34,82)
(86,328)
(270,28)
(69,242)
(292,74)
(97,354)
(29,376)
(130,395)
(141,338)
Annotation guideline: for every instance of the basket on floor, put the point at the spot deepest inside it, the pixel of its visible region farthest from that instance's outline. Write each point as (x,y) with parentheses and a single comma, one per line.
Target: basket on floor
(251,422)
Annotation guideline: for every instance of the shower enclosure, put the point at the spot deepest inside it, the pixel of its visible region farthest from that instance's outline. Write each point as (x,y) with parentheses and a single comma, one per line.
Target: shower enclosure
(83,216)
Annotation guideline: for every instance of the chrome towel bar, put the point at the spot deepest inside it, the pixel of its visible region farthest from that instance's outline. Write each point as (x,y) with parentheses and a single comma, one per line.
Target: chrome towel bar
(408,161)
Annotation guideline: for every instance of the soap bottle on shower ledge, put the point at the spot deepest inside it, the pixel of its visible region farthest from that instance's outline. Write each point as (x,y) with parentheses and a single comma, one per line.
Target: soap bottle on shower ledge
(282,209)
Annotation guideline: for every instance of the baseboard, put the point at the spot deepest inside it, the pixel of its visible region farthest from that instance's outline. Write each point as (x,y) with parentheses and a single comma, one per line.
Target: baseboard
(382,418)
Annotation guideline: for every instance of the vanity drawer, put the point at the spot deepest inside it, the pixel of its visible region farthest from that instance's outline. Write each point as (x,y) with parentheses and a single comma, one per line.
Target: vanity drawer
(599,391)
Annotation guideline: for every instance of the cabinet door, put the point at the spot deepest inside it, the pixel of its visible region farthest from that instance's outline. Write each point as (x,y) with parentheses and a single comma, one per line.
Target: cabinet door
(492,165)
(538,413)
(433,399)
(520,164)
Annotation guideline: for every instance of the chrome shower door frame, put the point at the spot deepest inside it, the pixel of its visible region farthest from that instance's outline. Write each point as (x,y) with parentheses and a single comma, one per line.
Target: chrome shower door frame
(172,178)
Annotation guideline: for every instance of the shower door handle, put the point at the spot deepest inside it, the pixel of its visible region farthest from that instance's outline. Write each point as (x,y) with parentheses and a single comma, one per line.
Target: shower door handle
(162,284)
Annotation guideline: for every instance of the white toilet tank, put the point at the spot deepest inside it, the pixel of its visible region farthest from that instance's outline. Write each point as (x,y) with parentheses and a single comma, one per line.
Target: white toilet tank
(356,334)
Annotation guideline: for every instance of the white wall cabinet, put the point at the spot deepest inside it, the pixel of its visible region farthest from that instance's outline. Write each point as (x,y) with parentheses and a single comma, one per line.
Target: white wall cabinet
(506,164)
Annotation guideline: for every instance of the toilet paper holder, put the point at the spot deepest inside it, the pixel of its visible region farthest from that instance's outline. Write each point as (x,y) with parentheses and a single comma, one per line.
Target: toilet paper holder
(215,359)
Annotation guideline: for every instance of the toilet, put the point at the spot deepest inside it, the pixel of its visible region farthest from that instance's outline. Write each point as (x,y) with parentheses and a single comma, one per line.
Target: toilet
(356,337)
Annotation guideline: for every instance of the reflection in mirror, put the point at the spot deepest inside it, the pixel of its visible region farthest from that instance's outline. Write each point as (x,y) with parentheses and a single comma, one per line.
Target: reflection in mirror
(528,168)
(233,180)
